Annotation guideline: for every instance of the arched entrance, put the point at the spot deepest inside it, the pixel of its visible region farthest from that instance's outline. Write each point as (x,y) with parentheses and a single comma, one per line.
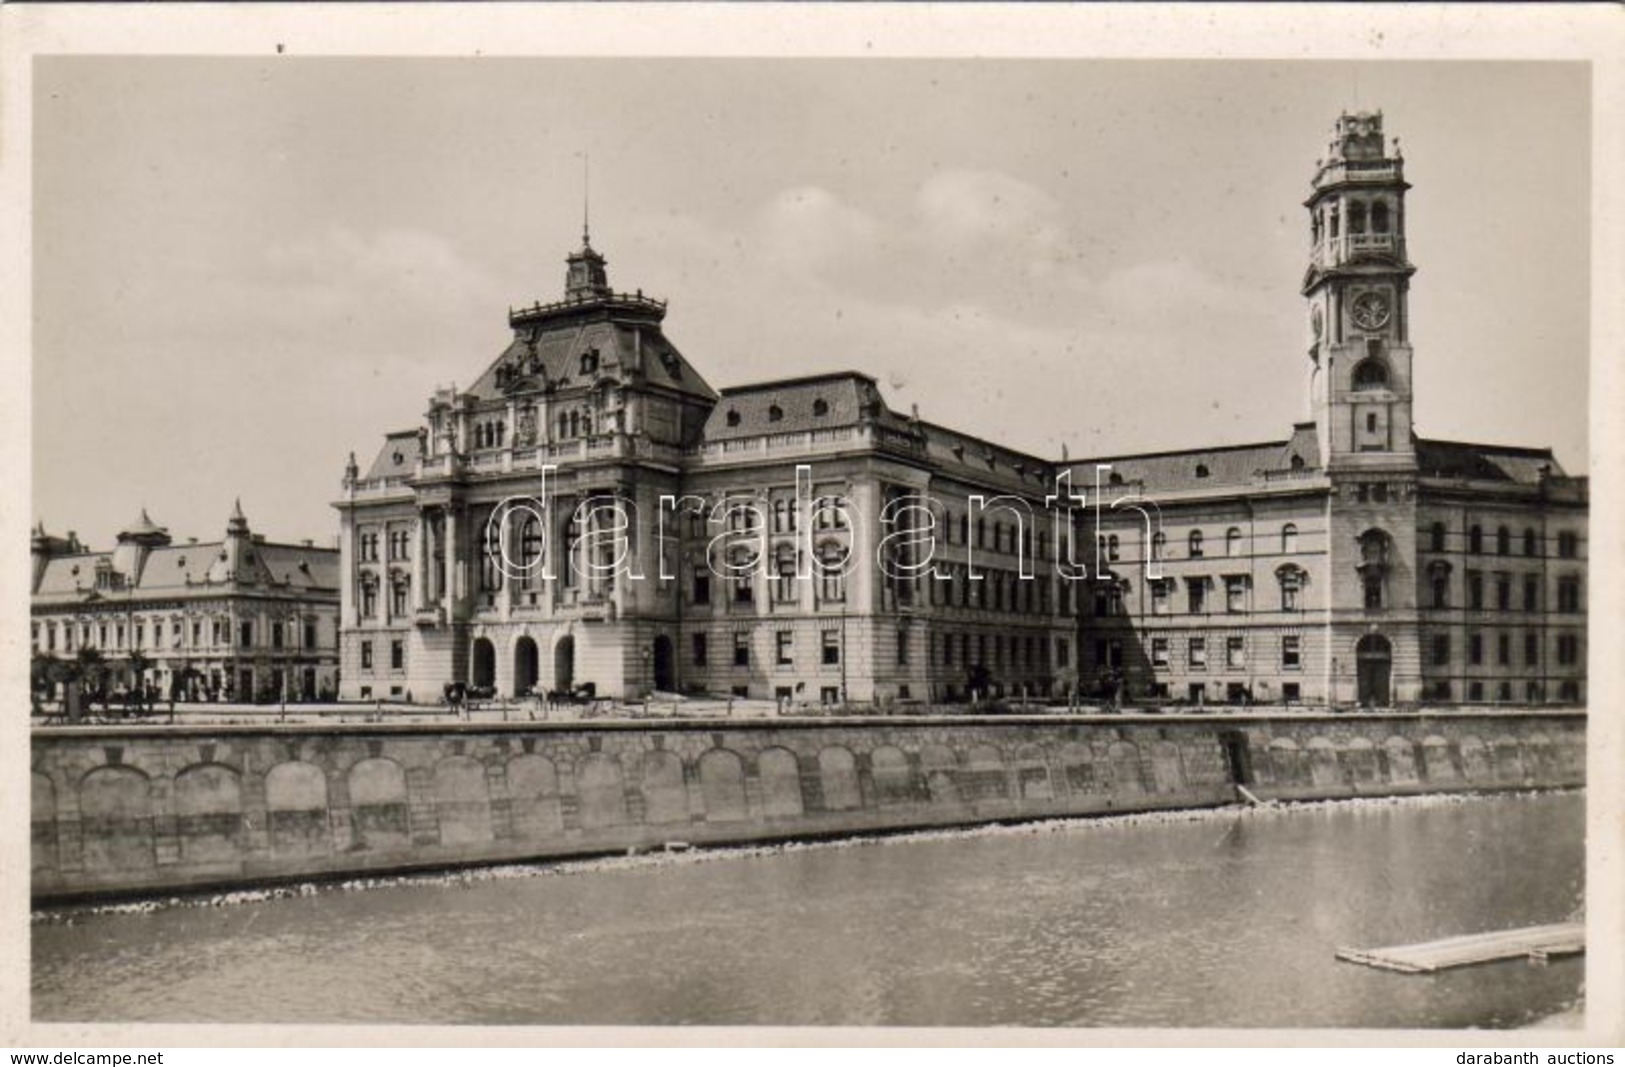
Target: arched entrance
(564,663)
(1375,661)
(483,671)
(665,677)
(526,663)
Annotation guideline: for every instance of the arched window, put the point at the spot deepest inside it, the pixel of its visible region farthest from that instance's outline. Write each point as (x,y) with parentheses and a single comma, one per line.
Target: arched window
(775,413)
(1196,544)
(564,425)
(1289,539)
(733,417)
(1371,373)
(1114,479)
(575,424)
(1379,217)
(1503,541)
(1436,537)
(1356,217)
(1529,543)
(1159,545)
(820,406)
(1232,542)
(1297,462)
(1201,470)
(1475,540)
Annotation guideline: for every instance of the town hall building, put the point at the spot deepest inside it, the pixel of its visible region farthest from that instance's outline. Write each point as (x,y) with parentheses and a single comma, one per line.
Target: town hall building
(592,511)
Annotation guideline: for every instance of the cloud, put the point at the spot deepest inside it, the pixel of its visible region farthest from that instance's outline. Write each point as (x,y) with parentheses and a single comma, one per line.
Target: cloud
(811,232)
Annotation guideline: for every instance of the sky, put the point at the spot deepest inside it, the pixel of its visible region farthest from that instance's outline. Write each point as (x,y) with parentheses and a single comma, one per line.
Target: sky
(246,268)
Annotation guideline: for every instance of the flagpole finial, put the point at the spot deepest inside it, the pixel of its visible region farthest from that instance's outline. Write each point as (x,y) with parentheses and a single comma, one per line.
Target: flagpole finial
(586,200)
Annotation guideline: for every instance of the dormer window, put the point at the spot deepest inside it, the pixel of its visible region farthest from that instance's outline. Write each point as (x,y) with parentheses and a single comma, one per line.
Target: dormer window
(589,361)
(733,417)
(820,407)
(1201,470)
(775,414)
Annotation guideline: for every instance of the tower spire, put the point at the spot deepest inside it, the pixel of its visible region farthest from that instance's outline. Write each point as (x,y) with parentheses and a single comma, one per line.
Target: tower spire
(586,200)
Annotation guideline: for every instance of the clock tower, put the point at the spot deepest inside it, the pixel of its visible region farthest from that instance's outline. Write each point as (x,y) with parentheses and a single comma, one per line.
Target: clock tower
(1358,290)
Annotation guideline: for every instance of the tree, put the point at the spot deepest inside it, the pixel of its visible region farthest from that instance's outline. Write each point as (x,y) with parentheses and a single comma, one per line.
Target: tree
(42,669)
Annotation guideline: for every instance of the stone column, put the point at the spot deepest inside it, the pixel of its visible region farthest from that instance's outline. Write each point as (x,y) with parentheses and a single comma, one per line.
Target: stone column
(453,587)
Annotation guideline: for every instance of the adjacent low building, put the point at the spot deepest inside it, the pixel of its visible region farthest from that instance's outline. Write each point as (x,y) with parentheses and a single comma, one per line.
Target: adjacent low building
(240,618)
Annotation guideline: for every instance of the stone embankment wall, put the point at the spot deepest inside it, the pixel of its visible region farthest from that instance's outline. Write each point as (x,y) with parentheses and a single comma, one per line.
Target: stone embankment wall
(149,809)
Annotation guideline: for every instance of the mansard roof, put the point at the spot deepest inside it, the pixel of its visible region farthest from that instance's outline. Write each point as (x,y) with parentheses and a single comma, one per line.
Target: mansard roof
(546,353)
(398,458)
(175,571)
(1489,463)
(814,402)
(1224,465)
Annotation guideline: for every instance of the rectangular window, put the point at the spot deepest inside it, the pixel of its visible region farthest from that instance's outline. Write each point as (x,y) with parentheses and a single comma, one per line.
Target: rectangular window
(1475,590)
(1568,594)
(1235,652)
(1063,652)
(1235,594)
(245,634)
(700,651)
(1291,692)
(276,635)
(902,648)
(1503,592)
(1441,649)
(397,655)
(742,589)
(1568,544)
(1159,652)
(1114,653)
(397,599)
(1291,652)
(1475,691)
(831,647)
(1531,593)
(702,589)
(829,695)
(1196,590)
(1475,648)
(741,649)
(1159,597)
(1198,653)
(310,635)
(1568,649)
(784,647)
(1531,649)
(1503,649)
(366,655)
(197,634)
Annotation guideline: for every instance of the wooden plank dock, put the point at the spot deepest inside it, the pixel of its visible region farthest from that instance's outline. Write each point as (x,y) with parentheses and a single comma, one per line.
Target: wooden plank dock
(1535,943)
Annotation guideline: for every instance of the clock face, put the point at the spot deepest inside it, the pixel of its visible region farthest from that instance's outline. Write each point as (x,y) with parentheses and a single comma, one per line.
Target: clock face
(1370,311)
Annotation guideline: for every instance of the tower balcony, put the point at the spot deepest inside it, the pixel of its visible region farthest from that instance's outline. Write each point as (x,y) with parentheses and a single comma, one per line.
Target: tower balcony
(1360,171)
(1332,251)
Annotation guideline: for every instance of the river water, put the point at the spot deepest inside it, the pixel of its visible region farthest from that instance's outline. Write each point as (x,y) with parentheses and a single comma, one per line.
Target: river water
(1211,919)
